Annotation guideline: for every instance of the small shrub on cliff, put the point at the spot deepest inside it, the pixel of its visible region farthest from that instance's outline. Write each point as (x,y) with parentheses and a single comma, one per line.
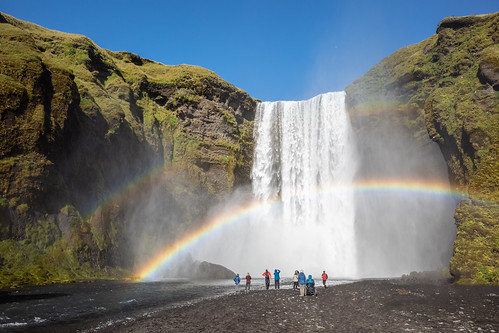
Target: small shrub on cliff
(23,208)
(76,55)
(43,234)
(489,274)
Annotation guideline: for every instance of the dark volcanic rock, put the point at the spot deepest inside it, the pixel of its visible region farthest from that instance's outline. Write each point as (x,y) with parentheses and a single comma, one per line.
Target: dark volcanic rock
(489,73)
(206,270)
(461,22)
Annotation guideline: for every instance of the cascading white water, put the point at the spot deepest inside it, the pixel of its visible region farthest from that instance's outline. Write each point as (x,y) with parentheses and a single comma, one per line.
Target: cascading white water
(304,152)
(315,217)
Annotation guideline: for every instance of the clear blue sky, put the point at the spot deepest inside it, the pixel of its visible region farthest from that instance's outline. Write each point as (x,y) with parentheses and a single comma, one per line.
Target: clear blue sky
(275,50)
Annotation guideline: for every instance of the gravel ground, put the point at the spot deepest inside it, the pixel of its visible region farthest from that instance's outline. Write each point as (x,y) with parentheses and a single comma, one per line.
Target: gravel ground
(364,306)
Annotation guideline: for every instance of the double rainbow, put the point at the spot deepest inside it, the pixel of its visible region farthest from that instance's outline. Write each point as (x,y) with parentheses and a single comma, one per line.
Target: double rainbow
(241,213)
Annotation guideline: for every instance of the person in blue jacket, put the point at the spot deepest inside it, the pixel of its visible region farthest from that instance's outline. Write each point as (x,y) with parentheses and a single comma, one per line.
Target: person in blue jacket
(310,280)
(310,284)
(237,279)
(277,278)
(302,280)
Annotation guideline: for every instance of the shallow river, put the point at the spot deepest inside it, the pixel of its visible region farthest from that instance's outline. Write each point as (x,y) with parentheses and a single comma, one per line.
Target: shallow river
(88,307)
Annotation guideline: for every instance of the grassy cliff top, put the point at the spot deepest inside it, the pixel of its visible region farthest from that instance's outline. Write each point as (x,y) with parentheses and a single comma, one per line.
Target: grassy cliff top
(409,75)
(28,40)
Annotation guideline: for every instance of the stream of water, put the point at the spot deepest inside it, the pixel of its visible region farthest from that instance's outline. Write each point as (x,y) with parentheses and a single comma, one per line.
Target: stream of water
(87,307)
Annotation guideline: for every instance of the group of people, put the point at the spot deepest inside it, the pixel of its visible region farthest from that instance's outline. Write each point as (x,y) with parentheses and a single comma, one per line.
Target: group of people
(299,280)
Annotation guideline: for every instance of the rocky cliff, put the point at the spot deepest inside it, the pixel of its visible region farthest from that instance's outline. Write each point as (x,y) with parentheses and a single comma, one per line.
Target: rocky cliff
(446,87)
(90,137)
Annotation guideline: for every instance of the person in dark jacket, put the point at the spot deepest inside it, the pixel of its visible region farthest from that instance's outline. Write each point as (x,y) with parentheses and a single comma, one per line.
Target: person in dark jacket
(248,283)
(277,278)
(301,282)
(267,276)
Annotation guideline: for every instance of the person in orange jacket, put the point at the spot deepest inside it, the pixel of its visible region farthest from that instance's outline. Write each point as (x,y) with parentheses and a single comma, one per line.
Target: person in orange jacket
(324,278)
(267,276)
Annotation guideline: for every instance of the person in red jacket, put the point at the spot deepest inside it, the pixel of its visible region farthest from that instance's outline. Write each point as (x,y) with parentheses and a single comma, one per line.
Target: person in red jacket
(324,278)
(248,283)
(267,276)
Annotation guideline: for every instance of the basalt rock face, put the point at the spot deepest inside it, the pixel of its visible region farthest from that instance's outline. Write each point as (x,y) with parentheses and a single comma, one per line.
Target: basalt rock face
(446,87)
(90,139)
(186,267)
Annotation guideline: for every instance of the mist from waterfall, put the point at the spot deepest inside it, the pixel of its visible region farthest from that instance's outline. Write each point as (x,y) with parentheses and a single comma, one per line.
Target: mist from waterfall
(407,229)
(307,160)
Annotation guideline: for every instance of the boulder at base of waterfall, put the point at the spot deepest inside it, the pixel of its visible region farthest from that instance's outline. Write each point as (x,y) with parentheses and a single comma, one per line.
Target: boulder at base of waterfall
(206,270)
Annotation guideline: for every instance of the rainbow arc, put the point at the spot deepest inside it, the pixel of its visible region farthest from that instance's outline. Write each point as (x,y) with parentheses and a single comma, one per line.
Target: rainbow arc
(242,213)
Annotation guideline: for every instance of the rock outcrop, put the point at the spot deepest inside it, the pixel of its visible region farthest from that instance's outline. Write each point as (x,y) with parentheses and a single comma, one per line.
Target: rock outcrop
(89,136)
(447,87)
(183,266)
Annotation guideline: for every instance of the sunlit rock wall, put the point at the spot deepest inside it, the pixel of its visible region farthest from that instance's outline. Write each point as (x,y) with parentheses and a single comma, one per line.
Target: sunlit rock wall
(101,151)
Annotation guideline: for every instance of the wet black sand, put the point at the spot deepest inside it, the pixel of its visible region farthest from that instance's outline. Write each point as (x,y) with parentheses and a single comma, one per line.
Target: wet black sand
(365,306)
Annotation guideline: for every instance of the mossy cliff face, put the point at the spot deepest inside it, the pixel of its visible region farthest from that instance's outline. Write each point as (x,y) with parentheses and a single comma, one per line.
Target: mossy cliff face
(80,123)
(447,87)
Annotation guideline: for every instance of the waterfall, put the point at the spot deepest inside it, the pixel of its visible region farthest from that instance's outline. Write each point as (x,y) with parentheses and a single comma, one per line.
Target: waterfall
(313,212)
(304,153)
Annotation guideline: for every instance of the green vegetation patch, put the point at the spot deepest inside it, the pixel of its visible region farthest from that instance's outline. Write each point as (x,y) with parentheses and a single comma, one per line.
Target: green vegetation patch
(476,248)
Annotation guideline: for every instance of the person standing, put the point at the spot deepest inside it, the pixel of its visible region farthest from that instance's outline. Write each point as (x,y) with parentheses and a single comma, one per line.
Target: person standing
(237,279)
(248,283)
(277,278)
(295,280)
(267,276)
(301,281)
(324,278)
